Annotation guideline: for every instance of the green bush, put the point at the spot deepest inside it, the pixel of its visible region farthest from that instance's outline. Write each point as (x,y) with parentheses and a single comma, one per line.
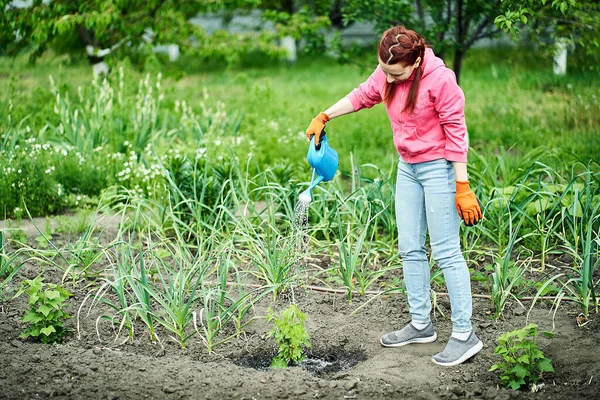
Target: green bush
(27,180)
(45,314)
(290,335)
(42,176)
(524,363)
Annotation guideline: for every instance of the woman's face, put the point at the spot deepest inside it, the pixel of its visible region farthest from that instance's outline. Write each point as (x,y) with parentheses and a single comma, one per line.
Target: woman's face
(398,72)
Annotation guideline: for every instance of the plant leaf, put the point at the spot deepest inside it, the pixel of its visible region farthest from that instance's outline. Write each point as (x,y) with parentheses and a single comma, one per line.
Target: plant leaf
(48,330)
(545,365)
(520,371)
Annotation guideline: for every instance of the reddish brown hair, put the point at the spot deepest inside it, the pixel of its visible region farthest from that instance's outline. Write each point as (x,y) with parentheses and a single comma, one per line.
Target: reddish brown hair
(399,45)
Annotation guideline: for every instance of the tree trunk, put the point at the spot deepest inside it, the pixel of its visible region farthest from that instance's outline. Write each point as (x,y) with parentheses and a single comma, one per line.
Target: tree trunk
(421,14)
(458,59)
(87,38)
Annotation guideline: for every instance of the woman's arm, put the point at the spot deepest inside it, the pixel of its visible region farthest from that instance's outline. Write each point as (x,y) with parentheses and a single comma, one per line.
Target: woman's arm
(460,170)
(342,107)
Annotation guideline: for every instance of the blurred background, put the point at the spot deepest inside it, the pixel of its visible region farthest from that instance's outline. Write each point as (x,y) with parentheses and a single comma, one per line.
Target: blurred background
(102,93)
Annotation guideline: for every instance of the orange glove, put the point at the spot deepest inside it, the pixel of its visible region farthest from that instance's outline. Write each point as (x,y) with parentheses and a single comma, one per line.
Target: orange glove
(467,204)
(316,127)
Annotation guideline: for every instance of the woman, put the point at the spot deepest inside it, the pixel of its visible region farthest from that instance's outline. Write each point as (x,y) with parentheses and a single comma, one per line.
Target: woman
(426,109)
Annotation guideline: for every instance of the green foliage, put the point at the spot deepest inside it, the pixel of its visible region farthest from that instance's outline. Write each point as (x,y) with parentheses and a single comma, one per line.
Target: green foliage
(121,26)
(385,13)
(196,189)
(523,362)
(45,314)
(25,180)
(302,24)
(449,26)
(576,23)
(48,178)
(290,335)
(10,262)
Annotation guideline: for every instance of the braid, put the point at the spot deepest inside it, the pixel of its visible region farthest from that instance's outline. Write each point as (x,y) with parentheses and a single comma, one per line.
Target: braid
(399,45)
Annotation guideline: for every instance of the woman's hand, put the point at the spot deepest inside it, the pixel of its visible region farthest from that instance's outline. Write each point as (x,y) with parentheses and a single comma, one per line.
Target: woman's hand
(467,204)
(316,127)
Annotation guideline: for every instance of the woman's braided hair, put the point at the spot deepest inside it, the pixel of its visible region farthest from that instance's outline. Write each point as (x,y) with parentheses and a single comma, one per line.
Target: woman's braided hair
(399,45)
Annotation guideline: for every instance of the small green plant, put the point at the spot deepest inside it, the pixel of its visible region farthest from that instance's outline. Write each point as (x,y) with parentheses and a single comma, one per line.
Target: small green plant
(45,314)
(290,334)
(524,363)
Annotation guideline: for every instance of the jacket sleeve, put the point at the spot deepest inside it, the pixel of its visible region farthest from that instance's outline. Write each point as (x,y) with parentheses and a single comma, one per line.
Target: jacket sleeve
(450,106)
(368,93)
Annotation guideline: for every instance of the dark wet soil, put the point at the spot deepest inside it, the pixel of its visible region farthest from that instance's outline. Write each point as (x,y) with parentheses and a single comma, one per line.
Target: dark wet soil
(321,364)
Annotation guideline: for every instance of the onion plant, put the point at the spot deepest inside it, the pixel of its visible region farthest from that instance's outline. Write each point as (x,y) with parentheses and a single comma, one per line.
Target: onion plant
(272,251)
(12,136)
(582,240)
(178,289)
(543,213)
(117,286)
(354,236)
(379,193)
(138,283)
(506,274)
(218,308)
(84,127)
(10,262)
(76,259)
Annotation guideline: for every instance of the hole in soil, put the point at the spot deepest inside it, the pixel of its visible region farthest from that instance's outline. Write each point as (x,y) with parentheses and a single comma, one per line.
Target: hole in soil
(316,362)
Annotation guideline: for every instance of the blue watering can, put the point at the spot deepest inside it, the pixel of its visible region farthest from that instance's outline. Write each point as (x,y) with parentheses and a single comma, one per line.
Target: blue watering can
(324,161)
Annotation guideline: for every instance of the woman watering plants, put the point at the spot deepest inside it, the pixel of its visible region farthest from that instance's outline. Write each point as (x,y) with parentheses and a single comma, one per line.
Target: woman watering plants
(426,110)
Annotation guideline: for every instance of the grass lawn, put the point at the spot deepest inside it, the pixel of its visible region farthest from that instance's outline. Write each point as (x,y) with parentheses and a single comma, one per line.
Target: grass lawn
(514,103)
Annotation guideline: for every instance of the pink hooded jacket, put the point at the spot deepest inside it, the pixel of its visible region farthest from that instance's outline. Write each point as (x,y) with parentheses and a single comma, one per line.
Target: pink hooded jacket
(436,128)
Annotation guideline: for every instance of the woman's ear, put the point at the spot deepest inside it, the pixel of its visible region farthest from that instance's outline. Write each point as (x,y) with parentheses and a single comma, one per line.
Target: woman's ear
(418,62)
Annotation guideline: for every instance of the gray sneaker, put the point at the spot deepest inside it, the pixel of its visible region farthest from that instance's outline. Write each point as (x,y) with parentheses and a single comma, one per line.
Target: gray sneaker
(409,334)
(458,351)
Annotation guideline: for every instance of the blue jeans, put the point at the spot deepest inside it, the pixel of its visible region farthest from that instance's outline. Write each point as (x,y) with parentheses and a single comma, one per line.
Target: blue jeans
(425,201)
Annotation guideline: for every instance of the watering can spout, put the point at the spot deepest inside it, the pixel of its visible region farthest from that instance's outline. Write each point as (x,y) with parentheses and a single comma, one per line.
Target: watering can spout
(306,196)
(324,161)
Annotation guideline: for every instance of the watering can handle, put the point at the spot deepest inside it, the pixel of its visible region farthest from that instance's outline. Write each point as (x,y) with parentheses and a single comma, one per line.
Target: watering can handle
(318,145)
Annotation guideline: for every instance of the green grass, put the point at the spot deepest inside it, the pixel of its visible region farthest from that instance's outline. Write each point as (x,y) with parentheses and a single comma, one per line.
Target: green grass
(513,102)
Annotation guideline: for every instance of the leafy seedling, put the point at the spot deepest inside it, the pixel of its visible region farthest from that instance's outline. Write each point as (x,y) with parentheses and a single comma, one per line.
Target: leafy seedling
(290,335)
(523,362)
(45,314)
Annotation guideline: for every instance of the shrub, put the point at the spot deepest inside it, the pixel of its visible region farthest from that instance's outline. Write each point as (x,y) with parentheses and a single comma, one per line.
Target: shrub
(524,363)
(45,313)
(290,335)
(27,178)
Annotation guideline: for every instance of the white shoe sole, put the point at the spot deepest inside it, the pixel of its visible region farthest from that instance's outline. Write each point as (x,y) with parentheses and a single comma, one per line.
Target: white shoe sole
(470,353)
(416,340)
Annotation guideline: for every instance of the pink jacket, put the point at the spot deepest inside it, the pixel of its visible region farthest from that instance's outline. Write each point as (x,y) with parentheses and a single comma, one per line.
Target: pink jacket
(436,128)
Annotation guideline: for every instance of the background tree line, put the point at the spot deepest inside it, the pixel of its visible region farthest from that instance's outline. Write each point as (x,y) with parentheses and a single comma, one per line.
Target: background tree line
(131,28)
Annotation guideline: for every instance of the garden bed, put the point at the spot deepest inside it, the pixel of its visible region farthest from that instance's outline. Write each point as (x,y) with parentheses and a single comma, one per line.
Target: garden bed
(92,364)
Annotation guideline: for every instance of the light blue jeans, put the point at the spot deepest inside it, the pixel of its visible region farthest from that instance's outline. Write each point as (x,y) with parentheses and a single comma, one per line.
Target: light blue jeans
(425,201)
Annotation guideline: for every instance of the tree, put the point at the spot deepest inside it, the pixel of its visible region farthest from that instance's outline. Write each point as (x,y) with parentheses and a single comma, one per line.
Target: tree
(300,19)
(125,26)
(331,9)
(451,26)
(577,22)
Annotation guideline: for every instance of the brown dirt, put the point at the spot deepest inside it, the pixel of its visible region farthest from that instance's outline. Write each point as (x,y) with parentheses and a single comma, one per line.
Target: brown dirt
(101,368)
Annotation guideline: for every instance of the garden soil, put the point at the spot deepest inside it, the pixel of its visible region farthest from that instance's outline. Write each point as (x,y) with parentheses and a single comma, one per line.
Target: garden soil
(93,363)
